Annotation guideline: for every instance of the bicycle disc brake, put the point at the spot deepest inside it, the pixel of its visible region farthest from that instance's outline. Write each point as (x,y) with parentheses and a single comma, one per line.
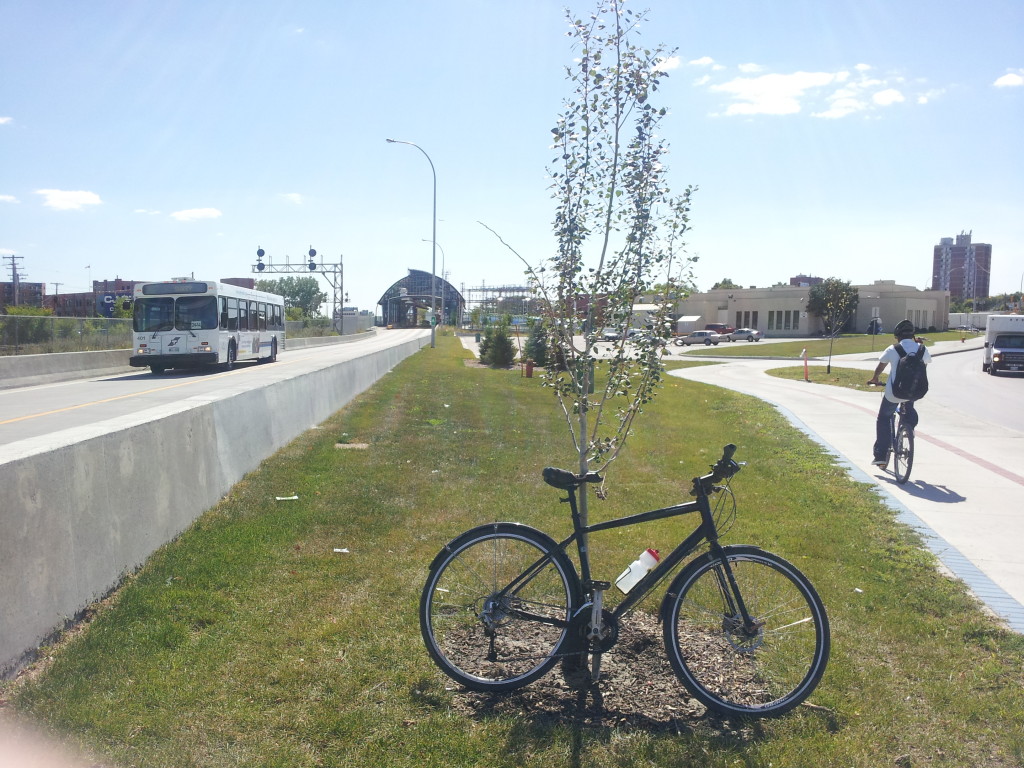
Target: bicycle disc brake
(743,639)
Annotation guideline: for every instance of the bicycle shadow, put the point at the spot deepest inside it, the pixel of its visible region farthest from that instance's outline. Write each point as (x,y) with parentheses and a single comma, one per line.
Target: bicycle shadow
(638,691)
(941,494)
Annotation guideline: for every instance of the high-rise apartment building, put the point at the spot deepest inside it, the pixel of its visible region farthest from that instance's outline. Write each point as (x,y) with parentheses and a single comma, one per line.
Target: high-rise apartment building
(961,267)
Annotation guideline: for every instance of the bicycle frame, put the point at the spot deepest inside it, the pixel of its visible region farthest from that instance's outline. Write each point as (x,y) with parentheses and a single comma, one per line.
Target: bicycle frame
(894,421)
(706,531)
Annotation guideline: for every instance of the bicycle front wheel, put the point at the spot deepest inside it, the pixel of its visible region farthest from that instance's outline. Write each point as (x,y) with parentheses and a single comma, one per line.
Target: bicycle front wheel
(496,606)
(903,454)
(761,670)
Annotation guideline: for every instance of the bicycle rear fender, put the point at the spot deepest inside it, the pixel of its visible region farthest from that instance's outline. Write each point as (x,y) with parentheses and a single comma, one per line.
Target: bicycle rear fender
(491,528)
(677,582)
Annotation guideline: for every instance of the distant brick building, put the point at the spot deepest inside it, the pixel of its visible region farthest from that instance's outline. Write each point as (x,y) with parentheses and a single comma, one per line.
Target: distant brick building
(23,294)
(961,267)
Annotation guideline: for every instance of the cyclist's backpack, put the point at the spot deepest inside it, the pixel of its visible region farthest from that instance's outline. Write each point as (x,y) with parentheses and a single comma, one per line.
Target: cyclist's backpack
(910,379)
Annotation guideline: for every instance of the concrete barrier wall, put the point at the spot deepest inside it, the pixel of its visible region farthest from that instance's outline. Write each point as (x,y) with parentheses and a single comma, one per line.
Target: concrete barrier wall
(75,521)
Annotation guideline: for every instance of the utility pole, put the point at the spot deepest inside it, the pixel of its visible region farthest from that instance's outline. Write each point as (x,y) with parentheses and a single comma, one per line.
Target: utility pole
(15,277)
(56,295)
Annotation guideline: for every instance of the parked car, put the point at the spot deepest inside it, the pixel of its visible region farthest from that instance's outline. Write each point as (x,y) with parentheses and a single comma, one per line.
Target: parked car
(720,328)
(610,334)
(698,337)
(748,334)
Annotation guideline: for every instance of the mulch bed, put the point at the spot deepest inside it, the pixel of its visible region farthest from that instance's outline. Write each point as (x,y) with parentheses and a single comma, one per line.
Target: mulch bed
(638,690)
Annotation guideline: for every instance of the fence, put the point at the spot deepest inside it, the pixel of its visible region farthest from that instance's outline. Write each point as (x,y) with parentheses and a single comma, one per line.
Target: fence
(33,335)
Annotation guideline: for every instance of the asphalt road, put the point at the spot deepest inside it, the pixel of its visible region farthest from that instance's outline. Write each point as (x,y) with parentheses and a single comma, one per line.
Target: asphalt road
(61,411)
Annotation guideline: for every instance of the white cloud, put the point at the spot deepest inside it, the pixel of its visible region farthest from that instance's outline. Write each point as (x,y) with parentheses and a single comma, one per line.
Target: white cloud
(293,197)
(65,200)
(146,210)
(667,64)
(887,97)
(841,107)
(6,120)
(927,96)
(749,69)
(1010,80)
(704,61)
(194,214)
(772,94)
(8,199)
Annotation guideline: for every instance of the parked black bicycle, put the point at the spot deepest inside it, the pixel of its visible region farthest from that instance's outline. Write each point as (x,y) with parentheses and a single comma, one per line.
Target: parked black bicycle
(744,629)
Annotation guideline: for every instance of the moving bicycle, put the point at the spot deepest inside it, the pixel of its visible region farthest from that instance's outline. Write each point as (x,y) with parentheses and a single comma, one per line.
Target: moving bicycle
(907,383)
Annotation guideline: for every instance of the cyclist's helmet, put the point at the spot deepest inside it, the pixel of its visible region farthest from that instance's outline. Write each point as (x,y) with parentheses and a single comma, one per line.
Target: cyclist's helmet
(904,330)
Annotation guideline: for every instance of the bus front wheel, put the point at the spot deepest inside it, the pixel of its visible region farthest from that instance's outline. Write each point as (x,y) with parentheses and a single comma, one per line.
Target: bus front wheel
(232,356)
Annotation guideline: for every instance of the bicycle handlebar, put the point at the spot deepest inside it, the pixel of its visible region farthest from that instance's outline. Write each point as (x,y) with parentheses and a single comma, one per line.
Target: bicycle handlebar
(721,470)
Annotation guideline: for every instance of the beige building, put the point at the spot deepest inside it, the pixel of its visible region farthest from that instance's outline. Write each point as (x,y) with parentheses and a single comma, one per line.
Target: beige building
(781,310)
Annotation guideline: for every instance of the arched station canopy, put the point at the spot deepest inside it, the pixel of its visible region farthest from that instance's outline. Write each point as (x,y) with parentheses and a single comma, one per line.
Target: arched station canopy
(406,304)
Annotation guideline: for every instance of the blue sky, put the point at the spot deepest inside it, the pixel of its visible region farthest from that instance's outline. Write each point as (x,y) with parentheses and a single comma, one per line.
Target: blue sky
(147,140)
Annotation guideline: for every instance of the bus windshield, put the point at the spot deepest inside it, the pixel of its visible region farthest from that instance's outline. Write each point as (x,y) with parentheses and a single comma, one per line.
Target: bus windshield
(195,313)
(186,313)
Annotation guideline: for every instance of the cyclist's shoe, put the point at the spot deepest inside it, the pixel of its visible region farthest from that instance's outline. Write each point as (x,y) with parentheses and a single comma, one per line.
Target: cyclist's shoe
(882,462)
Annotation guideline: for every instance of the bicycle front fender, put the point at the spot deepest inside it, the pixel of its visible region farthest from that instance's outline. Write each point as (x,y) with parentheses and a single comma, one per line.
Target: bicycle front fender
(683,575)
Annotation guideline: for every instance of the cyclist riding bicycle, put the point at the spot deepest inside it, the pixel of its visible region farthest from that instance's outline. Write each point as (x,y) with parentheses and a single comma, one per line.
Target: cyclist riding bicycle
(904,333)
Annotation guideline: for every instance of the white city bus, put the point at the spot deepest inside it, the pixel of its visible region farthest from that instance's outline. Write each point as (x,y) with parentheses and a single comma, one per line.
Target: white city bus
(186,323)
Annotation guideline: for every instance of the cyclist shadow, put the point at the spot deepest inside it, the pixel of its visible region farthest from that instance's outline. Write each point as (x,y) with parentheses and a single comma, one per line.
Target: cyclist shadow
(638,691)
(940,494)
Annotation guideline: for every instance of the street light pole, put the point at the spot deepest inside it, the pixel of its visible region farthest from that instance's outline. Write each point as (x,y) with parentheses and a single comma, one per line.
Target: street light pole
(433,261)
(443,278)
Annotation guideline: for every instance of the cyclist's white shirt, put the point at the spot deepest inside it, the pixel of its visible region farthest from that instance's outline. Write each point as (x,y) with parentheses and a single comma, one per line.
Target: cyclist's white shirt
(892,357)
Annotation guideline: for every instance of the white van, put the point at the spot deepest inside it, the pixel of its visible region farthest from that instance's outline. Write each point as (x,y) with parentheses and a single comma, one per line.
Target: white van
(1004,344)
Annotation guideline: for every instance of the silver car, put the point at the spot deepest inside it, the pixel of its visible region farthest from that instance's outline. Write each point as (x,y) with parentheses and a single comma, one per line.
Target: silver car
(748,334)
(698,337)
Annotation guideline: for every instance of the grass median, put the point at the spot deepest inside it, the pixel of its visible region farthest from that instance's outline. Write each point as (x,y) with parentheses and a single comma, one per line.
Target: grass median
(282,631)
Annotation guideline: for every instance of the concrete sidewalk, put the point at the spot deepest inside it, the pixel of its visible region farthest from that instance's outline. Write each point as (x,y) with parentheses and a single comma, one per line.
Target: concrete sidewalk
(961,497)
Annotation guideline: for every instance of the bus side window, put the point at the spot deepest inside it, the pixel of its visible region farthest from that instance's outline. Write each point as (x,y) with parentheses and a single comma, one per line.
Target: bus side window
(263,316)
(232,314)
(223,313)
(277,317)
(254,324)
(243,316)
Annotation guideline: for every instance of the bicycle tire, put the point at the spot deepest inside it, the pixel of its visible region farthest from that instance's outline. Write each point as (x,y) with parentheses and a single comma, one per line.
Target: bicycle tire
(903,454)
(480,629)
(729,671)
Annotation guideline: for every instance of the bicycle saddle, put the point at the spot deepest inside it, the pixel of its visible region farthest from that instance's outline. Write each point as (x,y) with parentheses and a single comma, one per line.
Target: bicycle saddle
(565,480)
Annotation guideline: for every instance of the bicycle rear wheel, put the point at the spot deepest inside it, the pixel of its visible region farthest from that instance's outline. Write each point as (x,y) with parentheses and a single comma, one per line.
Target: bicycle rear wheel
(496,606)
(762,671)
(903,454)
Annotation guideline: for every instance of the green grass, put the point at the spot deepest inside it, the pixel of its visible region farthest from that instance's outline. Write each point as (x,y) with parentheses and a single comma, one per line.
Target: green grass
(843,345)
(250,641)
(851,378)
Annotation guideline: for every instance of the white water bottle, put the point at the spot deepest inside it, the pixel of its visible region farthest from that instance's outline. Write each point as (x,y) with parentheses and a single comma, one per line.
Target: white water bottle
(637,570)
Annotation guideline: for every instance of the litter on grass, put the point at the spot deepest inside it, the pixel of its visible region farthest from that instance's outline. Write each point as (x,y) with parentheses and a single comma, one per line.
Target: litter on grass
(286,498)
